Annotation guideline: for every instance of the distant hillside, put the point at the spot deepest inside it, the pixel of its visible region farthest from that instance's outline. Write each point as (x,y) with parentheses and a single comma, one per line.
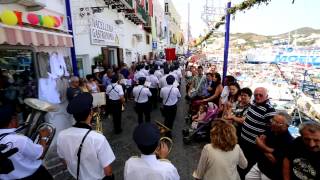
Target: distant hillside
(305,36)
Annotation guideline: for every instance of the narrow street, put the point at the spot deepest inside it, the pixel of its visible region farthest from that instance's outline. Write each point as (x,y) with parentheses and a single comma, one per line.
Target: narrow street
(184,157)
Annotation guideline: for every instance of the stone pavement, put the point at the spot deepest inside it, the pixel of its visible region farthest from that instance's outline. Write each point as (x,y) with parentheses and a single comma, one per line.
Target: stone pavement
(184,157)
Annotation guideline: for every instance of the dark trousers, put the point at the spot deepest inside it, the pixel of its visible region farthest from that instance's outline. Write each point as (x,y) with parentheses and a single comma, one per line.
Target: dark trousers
(115,109)
(251,152)
(41,173)
(154,97)
(143,109)
(169,113)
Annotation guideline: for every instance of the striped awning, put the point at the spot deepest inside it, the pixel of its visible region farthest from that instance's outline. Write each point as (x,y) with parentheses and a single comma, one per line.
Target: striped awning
(14,35)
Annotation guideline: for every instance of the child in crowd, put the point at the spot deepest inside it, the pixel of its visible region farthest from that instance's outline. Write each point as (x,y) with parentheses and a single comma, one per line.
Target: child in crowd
(227,111)
(199,117)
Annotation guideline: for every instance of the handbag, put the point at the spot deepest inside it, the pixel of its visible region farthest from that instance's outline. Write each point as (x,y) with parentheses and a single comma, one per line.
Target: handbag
(162,107)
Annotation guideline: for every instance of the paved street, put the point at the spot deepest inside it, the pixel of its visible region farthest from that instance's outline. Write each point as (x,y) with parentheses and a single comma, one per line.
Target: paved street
(184,157)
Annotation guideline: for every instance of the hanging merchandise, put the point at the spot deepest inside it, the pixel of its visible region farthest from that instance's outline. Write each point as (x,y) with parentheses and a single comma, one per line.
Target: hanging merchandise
(56,21)
(19,17)
(43,64)
(48,21)
(62,86)
(33,19)
(9,18)
(67,60)
(48,90)
(58,66)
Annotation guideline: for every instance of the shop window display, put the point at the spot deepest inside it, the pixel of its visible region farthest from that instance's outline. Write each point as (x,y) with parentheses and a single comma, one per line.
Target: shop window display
(17,78)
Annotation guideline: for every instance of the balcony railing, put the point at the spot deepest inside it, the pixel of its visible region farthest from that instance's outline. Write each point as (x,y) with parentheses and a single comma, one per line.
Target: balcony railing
(129,2)
(142,12)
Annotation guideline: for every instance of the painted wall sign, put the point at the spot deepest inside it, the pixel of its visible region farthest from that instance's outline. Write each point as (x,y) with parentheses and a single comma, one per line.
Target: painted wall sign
(102,33)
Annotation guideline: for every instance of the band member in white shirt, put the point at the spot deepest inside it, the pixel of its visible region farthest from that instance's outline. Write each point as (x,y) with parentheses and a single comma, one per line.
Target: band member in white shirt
(157,72)
(147,166)
(141,97)
(153,87)
(24,154)
(139,73)
(170,96)
(86,152)
(116,98)
(163,79)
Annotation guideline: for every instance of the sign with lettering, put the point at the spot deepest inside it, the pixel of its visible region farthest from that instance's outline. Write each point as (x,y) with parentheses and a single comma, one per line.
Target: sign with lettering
(103,34)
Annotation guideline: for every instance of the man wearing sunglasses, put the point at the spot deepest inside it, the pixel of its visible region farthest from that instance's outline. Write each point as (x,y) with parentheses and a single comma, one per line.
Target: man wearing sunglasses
(256,123)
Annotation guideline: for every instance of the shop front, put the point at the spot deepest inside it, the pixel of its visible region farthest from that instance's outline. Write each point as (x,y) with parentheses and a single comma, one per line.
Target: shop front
(35,63)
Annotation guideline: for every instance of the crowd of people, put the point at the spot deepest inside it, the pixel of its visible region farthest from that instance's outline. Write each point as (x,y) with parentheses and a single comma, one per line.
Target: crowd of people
(248,138)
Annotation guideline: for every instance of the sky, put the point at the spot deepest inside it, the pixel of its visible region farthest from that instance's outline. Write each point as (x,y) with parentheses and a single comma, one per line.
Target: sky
(278,17)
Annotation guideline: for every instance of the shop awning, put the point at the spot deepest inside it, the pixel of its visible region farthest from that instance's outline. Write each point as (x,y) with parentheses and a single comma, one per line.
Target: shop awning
(15,35)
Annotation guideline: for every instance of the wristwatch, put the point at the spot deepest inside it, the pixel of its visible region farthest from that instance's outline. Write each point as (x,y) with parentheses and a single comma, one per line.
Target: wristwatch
(44,138)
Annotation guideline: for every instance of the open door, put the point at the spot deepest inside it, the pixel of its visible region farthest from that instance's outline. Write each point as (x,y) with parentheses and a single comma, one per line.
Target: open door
(105,54)
(120,56)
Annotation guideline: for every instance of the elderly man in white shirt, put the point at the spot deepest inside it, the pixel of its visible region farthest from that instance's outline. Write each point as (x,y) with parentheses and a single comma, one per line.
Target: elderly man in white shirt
(24,154)
(147,166)
(86,152)
(170,96)
(141,97)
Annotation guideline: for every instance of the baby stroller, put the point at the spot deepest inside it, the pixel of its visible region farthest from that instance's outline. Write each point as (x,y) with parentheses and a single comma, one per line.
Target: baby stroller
(202,129)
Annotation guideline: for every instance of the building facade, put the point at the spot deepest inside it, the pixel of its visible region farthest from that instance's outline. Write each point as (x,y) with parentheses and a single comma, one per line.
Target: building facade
(109,33)
(173,33)
(35,57)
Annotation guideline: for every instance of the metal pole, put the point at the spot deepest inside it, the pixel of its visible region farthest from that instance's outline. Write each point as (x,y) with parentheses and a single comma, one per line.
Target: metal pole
(70,29)
(188,33)
(226,42)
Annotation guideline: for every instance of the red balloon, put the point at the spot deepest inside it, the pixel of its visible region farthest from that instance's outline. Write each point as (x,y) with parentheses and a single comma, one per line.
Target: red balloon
(33,18)
(57,22)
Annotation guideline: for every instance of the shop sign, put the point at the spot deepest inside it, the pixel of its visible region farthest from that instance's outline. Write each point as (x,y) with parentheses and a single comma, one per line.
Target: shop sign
(154,45)
(103,33)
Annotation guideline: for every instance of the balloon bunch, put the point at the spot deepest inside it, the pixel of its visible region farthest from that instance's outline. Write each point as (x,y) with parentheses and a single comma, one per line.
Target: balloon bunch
(13,18)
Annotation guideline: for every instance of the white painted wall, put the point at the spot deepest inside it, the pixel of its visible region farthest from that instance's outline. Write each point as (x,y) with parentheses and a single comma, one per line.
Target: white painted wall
(125,33)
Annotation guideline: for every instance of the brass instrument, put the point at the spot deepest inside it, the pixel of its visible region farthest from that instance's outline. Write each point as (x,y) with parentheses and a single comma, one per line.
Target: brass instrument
(163,130)
(36,121)
(99,99)
(97,118)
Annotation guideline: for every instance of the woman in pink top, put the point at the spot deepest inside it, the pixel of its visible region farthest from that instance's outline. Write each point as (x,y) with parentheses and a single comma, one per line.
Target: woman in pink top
(200,116)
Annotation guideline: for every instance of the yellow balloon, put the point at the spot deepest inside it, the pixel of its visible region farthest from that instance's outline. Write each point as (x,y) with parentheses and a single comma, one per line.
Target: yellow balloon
(48,21)
(9,17)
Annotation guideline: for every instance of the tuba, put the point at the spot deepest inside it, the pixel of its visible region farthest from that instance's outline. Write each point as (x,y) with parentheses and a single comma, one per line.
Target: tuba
(35,121)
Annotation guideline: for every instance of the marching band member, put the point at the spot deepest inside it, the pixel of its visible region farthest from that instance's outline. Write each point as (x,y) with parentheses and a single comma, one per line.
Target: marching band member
(86,152)
(153,87)
(26,160)
(170,96)
(147,167)
(114,105)
(141,97)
